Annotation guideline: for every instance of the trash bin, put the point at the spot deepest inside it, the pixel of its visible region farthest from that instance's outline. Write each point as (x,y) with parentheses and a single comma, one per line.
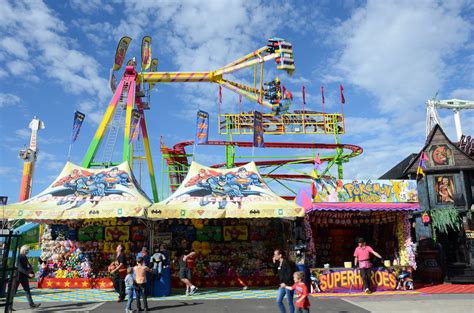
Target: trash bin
(162,284)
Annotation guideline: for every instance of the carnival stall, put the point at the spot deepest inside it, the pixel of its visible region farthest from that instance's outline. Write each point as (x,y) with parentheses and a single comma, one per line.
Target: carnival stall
(232,220)
(86,213)
(340,211)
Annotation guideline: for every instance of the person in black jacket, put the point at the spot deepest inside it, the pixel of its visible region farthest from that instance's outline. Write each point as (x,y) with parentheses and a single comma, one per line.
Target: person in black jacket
(25,272)
(284,269)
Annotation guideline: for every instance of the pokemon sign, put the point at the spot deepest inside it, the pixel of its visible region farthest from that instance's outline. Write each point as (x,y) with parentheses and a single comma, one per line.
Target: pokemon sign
(217,193)
(367,191)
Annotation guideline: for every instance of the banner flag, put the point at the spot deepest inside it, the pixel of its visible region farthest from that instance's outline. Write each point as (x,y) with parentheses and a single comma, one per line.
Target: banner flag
(146,53)
(220,94)
(134,128)
(202,125)
(3,200)
(341,89)
(303,92)
(76,127)
(121,51)
(258,130)
(322,94)
(153,68)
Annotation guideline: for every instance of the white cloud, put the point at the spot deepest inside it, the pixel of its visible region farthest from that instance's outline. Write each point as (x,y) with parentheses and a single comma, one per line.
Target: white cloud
(91,109)
(6,170)
(8,99)
(463,94)
(400,58)
(23,133)
(38,29)
(49,161)
(14,47)
(91,6)
(400,52)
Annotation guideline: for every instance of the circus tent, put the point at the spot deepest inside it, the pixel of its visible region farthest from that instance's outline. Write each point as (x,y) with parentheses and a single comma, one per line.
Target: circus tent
(82,193)
(224,193)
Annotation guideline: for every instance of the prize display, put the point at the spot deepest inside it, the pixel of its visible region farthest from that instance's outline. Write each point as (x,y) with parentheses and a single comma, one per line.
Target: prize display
(85,249)
(228,251)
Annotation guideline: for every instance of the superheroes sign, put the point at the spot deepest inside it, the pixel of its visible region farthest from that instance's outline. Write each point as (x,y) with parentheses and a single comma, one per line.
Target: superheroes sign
(217,193)
(80,193)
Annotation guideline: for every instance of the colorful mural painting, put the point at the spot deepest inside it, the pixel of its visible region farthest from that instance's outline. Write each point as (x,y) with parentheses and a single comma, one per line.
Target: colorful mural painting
(80,192)
(217,193)
(444,189)
(333,190)
(440,155)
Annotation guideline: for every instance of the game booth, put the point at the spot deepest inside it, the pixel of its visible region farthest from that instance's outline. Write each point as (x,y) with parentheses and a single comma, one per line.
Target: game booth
(233,222)
(84,215)
(340,211)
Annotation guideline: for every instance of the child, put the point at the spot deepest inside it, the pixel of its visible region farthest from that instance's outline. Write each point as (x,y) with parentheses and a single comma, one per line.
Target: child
(140,271)
(129,286)
(302,301)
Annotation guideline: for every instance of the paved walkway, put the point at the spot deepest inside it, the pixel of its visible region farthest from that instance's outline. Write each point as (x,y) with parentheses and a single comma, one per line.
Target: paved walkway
(102,295)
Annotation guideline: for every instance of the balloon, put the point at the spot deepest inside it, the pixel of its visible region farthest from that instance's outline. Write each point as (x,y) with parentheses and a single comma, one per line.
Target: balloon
(196,245)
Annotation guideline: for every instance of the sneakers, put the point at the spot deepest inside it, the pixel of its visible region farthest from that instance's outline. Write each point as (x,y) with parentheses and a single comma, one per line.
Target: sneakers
(193,290)
(367,291)
(33,306)
(187,292)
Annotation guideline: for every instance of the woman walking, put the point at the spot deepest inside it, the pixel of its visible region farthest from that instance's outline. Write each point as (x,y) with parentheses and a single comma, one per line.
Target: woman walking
(25,272)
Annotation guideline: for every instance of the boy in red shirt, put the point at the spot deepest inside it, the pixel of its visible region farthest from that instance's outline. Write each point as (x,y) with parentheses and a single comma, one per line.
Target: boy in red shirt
(302,301)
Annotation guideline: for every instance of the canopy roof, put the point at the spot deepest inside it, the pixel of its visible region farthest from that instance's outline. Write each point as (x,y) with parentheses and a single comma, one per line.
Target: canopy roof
(224,193)
(81,193)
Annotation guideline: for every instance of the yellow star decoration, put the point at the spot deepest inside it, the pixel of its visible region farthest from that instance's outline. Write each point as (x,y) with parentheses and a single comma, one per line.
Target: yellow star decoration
(58,284)
(267,282)
(49,283)
(232,283)
(75,283)
(85,284)
(67,283)
(102,284)
(250,283)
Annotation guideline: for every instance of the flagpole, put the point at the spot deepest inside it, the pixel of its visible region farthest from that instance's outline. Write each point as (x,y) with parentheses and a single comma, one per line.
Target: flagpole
(69,152)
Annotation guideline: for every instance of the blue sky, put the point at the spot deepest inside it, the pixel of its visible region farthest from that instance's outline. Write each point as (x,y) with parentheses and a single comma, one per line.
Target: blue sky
(391,56)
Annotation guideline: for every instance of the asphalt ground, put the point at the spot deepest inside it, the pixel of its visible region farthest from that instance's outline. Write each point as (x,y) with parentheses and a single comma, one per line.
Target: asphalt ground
(442,303)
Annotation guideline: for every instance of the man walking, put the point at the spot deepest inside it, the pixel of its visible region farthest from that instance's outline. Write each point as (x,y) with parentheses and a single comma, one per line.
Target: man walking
(185,253)
(283,268)
(362,258)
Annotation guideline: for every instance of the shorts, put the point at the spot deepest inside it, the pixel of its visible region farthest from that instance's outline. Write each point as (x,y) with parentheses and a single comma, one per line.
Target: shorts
(185,273)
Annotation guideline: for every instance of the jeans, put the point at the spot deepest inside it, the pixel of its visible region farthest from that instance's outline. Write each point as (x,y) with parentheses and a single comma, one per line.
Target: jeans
(130,298)
(119,285)
(302,310)
(365,275)
(23,280)
(282,291)
(141,292)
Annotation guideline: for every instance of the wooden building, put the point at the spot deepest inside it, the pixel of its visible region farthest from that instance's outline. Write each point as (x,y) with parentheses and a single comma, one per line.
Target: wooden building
(446,194)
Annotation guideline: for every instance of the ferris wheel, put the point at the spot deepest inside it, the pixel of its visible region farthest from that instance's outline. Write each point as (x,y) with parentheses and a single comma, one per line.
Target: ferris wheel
(456,105)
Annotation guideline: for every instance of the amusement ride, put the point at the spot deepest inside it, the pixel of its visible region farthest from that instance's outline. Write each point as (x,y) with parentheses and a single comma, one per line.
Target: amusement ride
(455,105)
(131,99)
